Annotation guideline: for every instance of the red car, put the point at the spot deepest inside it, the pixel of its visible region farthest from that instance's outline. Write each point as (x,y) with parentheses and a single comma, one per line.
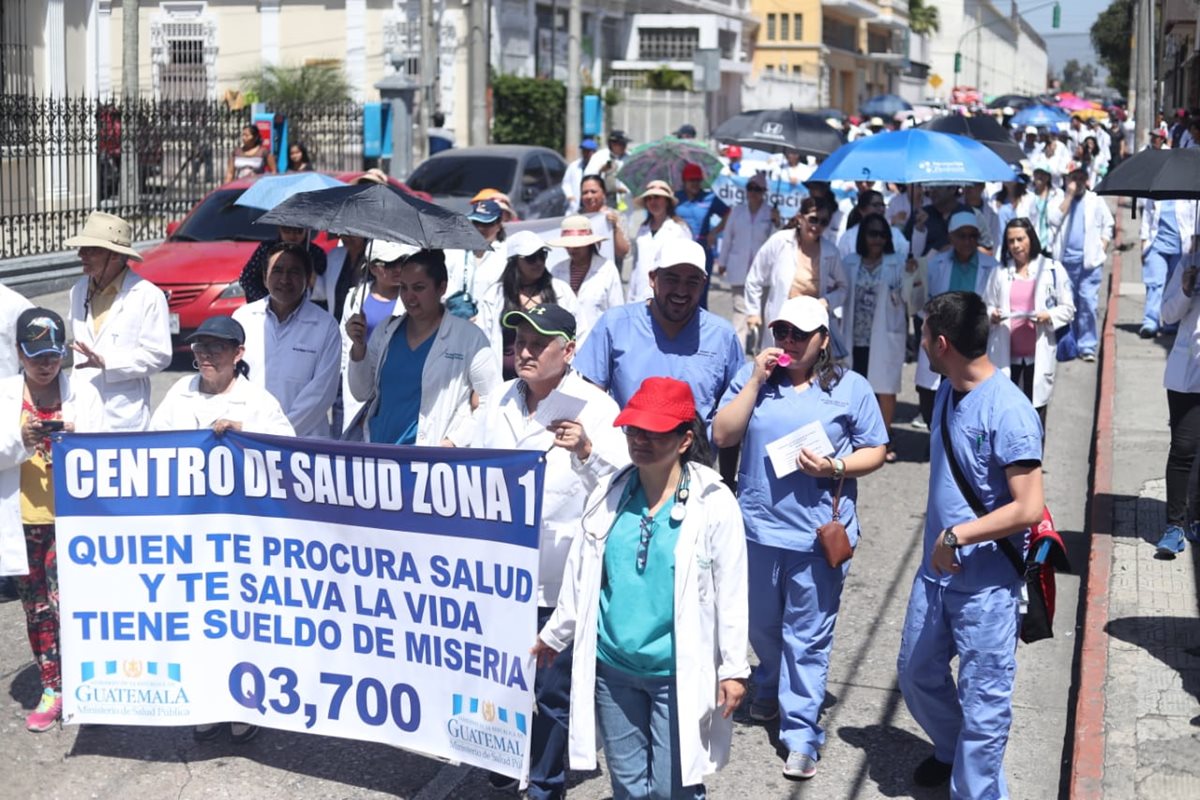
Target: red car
(199,263)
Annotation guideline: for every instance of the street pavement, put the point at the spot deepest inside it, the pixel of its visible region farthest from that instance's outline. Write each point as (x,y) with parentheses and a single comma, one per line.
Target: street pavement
(872,742)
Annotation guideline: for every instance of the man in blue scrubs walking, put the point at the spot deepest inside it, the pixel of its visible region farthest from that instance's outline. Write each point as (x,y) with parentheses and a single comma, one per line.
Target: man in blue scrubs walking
(1081,247)
(966,596)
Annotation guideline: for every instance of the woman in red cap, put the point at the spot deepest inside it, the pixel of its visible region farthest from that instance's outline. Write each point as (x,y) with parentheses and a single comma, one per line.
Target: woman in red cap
(662,679)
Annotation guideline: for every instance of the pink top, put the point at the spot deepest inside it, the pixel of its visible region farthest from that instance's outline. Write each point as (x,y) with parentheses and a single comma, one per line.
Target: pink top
(1024,329)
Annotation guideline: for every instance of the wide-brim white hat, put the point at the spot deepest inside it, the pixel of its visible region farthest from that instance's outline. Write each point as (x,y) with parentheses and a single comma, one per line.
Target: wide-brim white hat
(107,231)
(576,232)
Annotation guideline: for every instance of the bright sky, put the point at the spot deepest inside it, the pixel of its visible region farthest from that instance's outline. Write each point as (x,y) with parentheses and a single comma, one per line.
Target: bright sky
(1077,15)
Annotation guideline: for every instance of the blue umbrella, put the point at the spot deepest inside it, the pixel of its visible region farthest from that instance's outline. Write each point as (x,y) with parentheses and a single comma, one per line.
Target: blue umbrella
(270,191)
(885,105)
(914,156)
(1039,116)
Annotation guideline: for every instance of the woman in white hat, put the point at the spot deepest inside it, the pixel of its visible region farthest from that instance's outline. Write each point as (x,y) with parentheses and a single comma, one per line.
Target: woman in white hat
(661,224)
(592,277)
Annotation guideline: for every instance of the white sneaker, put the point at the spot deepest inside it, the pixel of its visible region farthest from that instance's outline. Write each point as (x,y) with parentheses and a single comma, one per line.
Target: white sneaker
(800,765)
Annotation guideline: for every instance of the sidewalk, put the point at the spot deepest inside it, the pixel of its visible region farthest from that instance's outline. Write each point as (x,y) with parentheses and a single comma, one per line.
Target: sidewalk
(1138,715)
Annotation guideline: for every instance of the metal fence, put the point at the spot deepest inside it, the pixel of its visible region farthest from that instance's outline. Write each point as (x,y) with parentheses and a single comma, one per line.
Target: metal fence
(61,158)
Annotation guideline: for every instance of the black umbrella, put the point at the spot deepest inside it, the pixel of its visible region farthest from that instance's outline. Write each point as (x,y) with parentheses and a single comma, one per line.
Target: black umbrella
(885,105)
(1011,101)
(1157,175)
(983,129)
(374,211)
(779,130)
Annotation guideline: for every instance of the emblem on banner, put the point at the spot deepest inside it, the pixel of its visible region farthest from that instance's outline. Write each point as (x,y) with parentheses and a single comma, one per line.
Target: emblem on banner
(487,731)
(131,687)
(132,669)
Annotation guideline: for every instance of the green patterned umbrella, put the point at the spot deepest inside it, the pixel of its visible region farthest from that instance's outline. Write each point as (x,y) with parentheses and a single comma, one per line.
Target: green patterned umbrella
(664,160)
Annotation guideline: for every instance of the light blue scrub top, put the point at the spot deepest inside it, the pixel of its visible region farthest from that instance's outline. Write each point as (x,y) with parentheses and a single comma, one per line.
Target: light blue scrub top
(636,626)
(627,346)
(1072,251)
(993,427)
(395,420)
(1166,239)
(786,512)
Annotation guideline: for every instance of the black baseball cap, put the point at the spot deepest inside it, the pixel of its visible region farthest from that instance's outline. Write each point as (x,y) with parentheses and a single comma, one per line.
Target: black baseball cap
(619,136)
(41,331)
(223,327)
(547,319)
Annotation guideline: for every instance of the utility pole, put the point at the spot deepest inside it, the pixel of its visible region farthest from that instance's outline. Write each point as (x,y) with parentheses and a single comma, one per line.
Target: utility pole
(130,17)
(1143,89)
(429,68)
(574,36)
(477,70)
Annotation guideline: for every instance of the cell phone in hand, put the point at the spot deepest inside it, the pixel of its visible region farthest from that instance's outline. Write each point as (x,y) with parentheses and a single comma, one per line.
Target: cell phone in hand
(50,425)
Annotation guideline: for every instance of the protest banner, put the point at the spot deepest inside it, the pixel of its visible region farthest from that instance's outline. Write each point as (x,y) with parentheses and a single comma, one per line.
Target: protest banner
(370,592)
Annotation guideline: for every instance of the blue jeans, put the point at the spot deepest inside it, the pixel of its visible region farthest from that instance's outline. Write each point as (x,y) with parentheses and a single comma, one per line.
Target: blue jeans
(1086,283)
(548,734)
(1157,269)
(967,721)
(638,719)
(794,603)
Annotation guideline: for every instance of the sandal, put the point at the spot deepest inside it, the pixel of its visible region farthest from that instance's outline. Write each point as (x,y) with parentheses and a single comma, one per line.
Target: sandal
(890,457)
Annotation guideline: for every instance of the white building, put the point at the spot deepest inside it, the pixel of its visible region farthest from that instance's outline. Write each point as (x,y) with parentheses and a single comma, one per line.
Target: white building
(1001,52)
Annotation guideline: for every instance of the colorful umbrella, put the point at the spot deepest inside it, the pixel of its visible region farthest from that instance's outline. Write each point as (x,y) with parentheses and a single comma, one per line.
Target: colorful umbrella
(914,156)
(271,190)
(664,160)
(1039,116)
(1072,102)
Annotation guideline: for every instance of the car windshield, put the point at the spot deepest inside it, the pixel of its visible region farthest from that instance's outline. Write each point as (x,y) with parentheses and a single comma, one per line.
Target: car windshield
(463,176)
(218,219)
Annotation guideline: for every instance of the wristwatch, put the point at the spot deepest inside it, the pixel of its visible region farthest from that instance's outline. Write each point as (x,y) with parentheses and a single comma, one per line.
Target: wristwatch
(839,468)
(949,538)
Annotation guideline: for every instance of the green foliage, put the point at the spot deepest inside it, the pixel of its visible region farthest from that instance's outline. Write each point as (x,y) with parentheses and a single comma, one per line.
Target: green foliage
(289,89)
(610,96)
(922,19)
(1077,77)
(529,111)
(1110,36)
(663,77)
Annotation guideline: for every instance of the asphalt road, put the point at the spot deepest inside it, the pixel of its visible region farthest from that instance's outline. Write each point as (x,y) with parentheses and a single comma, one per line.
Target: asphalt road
(873,744)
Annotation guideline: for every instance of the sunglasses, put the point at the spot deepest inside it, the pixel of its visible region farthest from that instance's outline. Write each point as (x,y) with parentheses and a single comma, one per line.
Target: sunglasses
(212,349)
(784,332)
(634,432)
(753,188)
(646,531)
(540,255)
(817,220)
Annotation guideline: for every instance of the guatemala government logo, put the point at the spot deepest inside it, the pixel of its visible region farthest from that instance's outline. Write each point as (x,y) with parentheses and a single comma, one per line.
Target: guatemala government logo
(487,731)
(131,687)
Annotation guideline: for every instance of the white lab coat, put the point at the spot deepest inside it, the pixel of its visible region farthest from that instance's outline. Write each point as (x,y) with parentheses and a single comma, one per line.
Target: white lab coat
(491,312)
(459,362)
(773,270)
(711,619)
(81,405)
(475,274)
(645,249)
(889,325)
(11,307)
(571,184)
(135,343)
(1182,373)
(298,360)
(744,235)
(1185,218)
(600,291)
(351,405)
(1097,230)
(937,282)
(1047,228)
(1054,295)
(848,241)
(504,424)
(186,408)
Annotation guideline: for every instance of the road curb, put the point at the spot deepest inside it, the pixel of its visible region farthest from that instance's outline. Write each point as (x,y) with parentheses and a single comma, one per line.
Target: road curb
(1088,747)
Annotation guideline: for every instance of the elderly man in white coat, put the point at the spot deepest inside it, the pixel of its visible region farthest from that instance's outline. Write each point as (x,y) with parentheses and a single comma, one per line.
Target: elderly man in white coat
(962,267)
(549,408)
(747,229)
(119,322)
(293,347)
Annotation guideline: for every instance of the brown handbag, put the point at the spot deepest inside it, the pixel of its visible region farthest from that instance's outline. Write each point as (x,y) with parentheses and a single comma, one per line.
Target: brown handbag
(832,535)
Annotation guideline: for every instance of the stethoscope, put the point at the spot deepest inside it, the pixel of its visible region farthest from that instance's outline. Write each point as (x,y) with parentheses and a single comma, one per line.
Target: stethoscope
(678,510)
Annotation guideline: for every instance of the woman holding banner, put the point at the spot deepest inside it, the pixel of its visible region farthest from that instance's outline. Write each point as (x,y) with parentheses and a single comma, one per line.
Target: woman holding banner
(39,402)
(662,678)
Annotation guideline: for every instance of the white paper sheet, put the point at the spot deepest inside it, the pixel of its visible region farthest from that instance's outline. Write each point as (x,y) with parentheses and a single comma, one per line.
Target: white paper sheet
(558,405)
(783,451)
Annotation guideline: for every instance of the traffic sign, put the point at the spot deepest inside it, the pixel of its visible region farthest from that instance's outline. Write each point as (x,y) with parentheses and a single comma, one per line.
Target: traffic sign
(935,80)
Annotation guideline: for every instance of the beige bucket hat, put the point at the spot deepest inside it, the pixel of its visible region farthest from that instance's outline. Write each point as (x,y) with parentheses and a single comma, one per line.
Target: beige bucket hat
(576,232)
(656,189)
(107,231)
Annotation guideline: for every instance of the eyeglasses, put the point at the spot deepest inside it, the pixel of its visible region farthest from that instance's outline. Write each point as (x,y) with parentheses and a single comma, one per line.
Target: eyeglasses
(211,348)
(634,432)
(643,551)
(783,332)
(817,220)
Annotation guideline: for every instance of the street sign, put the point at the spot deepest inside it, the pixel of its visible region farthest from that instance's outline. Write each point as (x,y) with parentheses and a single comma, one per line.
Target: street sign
(935,80)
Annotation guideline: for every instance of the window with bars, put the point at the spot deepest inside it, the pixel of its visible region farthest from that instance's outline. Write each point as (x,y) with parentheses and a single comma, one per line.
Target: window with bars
(798,27)
(16,53)
(668,44)
(783,27)
(770,27)
(184,76)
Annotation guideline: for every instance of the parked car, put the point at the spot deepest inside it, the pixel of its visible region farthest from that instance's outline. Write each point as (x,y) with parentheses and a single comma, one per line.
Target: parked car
(530,176)
(199,263)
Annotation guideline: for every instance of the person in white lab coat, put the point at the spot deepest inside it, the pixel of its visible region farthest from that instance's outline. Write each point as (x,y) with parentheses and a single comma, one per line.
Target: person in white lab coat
(746,230)
(457,369)
(1028,297)
(581,450)
(11,306)
(592,277)
(119,322)
(469,274)
(661,224)
(655,598)
(293,346)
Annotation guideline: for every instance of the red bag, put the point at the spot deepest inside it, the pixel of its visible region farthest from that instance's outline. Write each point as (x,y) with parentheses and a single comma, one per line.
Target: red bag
(1046,557)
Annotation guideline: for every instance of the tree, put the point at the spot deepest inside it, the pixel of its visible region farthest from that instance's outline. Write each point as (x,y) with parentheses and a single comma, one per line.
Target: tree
(1077,77)
(289,89)
(1110,36)
(663,77)
(922,19)
(529,111)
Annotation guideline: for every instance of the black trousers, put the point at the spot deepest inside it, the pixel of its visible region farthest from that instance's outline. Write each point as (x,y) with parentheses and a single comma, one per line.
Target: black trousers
(1185,439)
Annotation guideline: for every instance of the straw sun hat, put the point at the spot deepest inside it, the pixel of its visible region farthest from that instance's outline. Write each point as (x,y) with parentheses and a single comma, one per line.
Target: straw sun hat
(107,231)
(656,189)
(576,232)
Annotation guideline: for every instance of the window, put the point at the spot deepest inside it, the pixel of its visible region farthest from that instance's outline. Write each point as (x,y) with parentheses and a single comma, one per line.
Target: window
(798,27)
(797,70)
(770,27)
(668,44)
(770,69)
(783,27)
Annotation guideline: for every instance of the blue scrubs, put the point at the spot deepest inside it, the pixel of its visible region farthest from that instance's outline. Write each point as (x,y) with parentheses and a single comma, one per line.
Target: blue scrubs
(796,594)
(399,410)
(974,613)
(626,346)
(1159,263)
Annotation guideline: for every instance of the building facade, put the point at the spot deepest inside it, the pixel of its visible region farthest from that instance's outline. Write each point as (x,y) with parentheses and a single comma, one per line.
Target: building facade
(1001,53)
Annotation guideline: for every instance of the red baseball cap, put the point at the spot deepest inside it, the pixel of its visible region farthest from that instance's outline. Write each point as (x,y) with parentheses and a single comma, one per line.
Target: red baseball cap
(692,172)
(659,405)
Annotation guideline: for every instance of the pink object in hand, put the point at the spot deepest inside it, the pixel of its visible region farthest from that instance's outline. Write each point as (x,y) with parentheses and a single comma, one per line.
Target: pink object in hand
(784,360)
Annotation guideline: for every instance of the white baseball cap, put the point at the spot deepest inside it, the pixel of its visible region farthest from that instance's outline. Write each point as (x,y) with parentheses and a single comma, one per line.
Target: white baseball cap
(963,219)
(804,313)
(525,244)
(387,252)
(681,251)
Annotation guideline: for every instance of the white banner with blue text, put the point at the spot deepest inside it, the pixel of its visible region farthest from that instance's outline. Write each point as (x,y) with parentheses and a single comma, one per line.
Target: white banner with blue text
(371,592)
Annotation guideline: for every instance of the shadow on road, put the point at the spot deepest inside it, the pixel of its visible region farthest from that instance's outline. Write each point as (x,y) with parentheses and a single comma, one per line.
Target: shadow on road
(1175,641)
(892,754)
(26,687)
